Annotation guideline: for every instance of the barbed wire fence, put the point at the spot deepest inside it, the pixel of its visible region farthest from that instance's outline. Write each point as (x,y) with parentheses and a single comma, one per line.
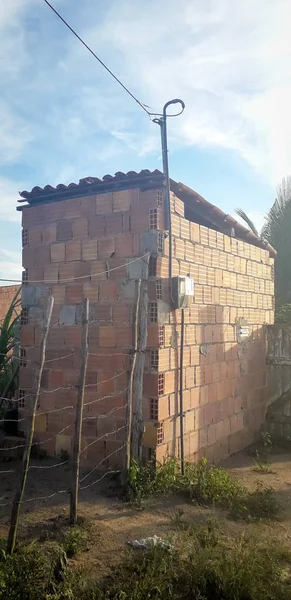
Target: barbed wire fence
(121,430)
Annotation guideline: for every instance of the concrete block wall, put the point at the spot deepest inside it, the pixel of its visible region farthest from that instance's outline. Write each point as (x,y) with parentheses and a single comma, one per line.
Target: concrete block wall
(224,376)
(76,248)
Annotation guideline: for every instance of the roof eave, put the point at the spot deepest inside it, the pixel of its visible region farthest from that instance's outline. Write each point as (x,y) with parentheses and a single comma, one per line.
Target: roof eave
(217,217)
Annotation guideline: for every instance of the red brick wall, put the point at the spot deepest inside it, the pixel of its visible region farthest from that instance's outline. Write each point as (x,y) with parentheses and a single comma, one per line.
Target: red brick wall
(224,379)
(67,244)
(7,294)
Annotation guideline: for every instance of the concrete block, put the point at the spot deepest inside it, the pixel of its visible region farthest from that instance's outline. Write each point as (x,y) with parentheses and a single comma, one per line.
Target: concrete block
(41,291)
(204,349)
(137,269)
(27,296)
(127,290)
(68,314)
(149,242)
(36,314)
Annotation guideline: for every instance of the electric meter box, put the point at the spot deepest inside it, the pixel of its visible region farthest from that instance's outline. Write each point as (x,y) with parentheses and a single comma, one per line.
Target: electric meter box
(182,291)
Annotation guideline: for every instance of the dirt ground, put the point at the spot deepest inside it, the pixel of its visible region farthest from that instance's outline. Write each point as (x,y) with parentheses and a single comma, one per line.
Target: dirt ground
(111,523)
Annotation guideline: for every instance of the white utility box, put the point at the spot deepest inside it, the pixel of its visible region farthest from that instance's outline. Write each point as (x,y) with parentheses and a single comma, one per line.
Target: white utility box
(182,291)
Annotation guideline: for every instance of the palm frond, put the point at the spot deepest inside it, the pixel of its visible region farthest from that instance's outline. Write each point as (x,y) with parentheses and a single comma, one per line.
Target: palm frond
(241,213)
(7,332)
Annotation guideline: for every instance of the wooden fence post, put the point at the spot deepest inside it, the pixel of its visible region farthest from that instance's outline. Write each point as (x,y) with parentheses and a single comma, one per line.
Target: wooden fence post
(26,455)
(79,414)
(138,426)
(129,407)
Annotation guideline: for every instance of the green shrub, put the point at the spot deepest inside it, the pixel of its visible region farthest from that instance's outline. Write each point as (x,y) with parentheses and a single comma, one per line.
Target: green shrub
(283,314)
(152,480)
(7,341)
(262,460)
(204,484)
(25,575)
(211,485)
(74,541)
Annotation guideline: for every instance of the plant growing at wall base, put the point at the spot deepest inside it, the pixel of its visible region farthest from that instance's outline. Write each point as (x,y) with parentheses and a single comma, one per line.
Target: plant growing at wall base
(262,460)
(203,483)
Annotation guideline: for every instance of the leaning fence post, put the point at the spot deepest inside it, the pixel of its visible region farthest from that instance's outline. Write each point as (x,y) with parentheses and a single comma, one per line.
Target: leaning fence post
(137,418)
(129,408)
(26,455)
(79,415)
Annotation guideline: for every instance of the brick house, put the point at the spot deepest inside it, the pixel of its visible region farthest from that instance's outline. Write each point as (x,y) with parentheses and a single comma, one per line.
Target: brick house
(82,240)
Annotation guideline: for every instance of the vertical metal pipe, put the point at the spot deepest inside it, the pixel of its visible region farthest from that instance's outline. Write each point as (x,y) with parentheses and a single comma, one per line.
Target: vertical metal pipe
(181,391)
(164,140)
(163,125)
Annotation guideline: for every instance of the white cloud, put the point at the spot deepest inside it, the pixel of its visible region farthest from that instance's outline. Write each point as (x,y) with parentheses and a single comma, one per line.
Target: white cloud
(10,265)
(228,61)
(8,200)
(14,135)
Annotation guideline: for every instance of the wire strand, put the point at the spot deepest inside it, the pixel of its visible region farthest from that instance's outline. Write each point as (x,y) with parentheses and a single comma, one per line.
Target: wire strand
(99,464)
(73,279)
(97,58)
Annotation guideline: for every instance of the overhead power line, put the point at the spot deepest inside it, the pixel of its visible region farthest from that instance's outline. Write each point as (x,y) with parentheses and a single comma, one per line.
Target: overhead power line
(97,58)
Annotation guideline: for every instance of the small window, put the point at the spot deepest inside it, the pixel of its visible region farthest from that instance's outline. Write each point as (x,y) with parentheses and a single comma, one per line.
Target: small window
(160,242)
(25,276)
(21,399)
(154,409)
(160,198)
(23,358)
(161,336)
(153,218)
(24,316)
(161,384)
(154,359)
(160,436)
(153,312)
(159,290)
(24,238)
(153,266)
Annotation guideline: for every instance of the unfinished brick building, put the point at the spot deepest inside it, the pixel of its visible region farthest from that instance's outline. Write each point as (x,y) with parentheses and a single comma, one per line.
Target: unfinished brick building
(81,241)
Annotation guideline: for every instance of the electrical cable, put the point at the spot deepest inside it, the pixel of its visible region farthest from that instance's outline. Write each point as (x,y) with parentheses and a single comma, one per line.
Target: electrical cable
(73,279)
(97,58)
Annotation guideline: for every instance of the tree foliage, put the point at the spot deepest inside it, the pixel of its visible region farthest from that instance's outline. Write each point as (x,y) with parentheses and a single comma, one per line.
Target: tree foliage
(277,231)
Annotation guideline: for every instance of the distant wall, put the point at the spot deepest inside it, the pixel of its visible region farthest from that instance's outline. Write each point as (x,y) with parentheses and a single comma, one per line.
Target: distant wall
(7,294)
(279,380)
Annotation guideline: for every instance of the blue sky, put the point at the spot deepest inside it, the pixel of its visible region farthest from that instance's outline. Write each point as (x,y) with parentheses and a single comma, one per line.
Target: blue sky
(64,118)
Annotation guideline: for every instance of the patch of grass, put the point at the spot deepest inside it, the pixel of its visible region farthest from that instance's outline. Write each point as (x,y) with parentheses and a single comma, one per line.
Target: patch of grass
(25,575)
(259,505)
(204,484)
(74,541)
(203,565)
(212,568)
